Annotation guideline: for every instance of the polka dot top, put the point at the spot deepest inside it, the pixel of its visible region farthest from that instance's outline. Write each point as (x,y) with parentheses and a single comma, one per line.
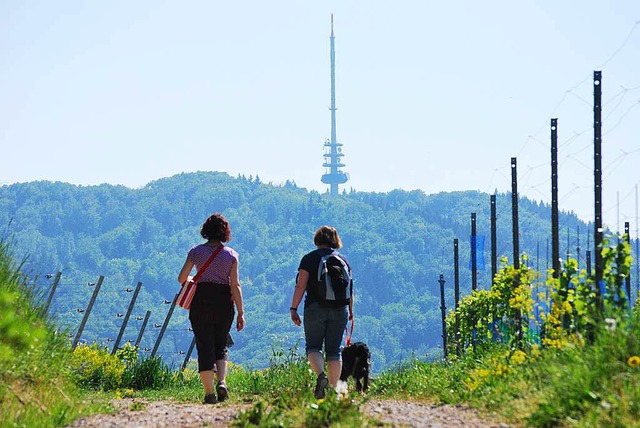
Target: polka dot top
(219,269)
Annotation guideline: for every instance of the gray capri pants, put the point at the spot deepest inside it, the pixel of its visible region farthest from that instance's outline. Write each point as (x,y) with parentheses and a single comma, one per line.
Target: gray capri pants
(324,325)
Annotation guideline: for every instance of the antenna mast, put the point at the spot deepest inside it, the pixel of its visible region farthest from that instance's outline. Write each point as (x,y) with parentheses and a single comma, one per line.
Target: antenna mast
(333,150)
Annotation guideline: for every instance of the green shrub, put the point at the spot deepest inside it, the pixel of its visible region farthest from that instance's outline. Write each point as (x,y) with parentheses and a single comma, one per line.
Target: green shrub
(96,368)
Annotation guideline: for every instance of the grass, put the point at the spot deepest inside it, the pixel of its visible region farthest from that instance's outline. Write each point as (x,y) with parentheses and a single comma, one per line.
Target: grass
(595,385)
(36,386)
(44,384)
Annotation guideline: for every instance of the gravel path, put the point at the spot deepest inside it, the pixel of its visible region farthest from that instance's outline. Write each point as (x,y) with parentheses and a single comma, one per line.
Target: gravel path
(412,414)
(135,413)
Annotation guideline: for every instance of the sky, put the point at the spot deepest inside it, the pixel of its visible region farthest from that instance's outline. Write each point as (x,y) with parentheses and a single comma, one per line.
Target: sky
(436,96)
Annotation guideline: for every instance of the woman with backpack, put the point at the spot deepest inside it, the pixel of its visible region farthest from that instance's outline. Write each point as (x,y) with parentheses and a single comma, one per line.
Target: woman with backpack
(325,276)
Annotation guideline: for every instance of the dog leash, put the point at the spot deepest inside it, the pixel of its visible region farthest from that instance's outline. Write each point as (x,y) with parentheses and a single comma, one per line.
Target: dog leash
(349,334)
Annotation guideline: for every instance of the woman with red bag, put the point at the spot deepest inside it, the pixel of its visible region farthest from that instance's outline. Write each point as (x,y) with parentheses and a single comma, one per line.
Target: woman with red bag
(212,309)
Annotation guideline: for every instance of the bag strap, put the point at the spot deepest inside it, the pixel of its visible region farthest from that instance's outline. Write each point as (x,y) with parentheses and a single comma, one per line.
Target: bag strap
(207,263)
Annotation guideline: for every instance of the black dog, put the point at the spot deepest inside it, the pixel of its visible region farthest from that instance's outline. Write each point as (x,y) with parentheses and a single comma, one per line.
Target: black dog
(356,362)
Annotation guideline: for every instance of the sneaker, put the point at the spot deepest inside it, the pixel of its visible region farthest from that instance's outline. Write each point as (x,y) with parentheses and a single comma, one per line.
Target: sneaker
(321,385)
(209,399)
(222,391)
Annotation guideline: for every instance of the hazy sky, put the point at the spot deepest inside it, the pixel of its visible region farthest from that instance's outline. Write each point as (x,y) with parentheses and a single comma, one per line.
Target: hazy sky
(431,95)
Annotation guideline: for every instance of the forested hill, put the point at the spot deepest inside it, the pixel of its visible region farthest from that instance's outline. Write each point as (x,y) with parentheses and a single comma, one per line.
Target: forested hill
(397,242)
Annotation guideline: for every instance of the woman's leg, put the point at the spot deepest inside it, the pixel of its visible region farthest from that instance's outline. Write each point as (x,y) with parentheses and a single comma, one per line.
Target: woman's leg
(204,344)
(334,368)
(316,361)
(206,377)
(226,315)
(337,321)
(314,333)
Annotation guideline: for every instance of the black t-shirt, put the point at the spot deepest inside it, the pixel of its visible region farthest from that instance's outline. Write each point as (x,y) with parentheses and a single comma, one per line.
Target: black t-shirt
(311,262)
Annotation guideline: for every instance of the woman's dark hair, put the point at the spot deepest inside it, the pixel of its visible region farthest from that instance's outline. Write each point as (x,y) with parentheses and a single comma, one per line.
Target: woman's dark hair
(327,235)
(216,228)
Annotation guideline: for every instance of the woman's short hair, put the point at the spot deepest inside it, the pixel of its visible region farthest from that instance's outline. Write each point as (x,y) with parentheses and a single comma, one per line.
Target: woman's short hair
(216,228)
(327,235)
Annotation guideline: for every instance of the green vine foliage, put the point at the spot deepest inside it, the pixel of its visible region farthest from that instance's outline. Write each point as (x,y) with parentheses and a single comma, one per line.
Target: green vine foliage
(574,308)
(500,313)
(569,305)
(617,260)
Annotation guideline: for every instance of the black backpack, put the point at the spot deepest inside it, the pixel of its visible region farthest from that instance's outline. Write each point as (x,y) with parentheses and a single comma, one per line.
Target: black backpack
(335,285)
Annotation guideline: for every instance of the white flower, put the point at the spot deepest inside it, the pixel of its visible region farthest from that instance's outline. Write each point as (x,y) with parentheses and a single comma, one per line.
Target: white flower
(611,323)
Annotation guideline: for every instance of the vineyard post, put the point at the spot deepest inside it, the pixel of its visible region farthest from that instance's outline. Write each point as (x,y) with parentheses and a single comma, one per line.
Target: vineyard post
(628,279)
(555,233)
(144,325)
(456,277)
(536,290)
(474,254)
(443,308)
(578,247)
(53,290)
(516,244)
(186,360)
(126,318)
(164,326)
(637,255)
(514,213)
(597,174)
(494,239)
(87,312)
(546,276)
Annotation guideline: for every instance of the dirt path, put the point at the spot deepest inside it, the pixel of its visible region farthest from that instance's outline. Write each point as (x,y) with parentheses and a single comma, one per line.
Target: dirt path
(393,413)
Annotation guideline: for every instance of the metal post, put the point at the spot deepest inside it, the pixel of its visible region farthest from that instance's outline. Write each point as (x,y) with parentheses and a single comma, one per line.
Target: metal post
(587,254)
(578,247)
(494,239)
(514,213)
(597,173)
(546,289)
(53,290)
(186,360)
(568,243)
(628,278)
(456,277)
(126,318)
(164,326)
(144,325)
(536,297)
(456,272)
(516,244)
(555,234)
(87,312)
(444,314)
(637,255)
(474,256)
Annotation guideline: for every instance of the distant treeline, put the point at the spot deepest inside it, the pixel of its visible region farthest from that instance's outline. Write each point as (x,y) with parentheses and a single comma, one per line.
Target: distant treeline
(398,243)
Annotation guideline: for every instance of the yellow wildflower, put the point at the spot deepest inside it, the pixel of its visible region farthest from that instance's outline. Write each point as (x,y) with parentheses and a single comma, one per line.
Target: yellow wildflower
(484,373)
(518,357)
(535,350)
(634,361)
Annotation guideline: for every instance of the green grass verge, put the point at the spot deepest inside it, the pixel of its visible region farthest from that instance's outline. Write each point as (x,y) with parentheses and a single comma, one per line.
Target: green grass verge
(37,388)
